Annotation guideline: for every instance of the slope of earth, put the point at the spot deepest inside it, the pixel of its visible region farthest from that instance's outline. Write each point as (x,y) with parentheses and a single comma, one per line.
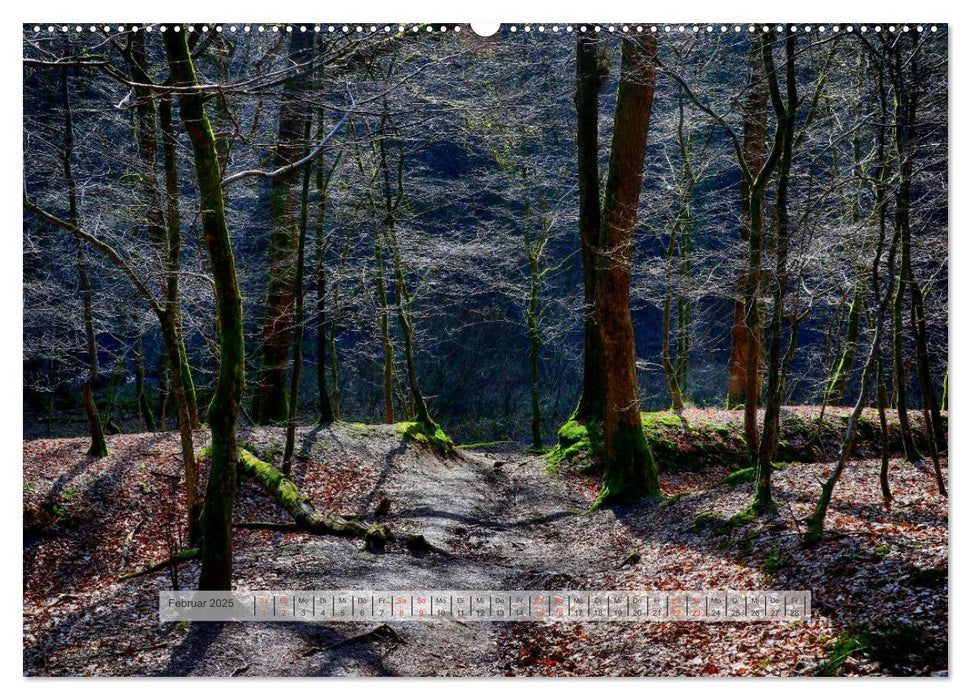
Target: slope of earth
(879,579)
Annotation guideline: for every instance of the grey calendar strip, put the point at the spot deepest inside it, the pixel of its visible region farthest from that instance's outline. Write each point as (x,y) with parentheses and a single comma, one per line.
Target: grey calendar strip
(484,606)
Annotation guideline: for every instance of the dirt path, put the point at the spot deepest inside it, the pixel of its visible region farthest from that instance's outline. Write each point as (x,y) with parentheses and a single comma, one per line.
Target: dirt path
(507,525)
(500,517)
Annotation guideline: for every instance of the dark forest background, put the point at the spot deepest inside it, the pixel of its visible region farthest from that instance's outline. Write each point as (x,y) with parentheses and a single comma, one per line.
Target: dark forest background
(472,141)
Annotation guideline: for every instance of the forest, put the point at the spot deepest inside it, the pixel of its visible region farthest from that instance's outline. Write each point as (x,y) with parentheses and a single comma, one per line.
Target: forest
(565,307)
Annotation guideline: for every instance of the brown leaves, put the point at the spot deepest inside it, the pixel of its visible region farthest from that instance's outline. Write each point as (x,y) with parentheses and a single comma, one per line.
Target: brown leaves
(874,564)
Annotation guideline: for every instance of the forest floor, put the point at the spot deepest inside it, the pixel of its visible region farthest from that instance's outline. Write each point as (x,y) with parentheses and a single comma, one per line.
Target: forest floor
(878,579)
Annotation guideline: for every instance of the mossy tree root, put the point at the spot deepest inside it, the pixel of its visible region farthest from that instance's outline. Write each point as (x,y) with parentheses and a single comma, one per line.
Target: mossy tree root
(427,433)
(629,470)
(577,443)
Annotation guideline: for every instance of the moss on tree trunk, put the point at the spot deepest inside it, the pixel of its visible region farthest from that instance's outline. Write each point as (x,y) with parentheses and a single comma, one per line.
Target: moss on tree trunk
(629,469)
(591,70)
(217,514)
(270,403)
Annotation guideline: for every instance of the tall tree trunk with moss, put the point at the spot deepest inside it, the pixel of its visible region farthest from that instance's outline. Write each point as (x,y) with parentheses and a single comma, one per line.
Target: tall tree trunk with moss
(629,468)
(98,447)
(166,236)
(393,194)
(217,516)
(758,182)
(682,346)
(745,343)
(405,321)
(785,112)
(816,522)
(146,417)
(903,120)
(183,384)
(591,74)
(677,270)
(326,413)
(844,364)
(907,95)
(297,322)
(270,397)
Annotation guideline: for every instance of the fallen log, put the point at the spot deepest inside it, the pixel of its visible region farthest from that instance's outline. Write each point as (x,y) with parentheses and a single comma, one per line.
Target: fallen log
(258,525)
(183,556)
(292,500)
(288,495)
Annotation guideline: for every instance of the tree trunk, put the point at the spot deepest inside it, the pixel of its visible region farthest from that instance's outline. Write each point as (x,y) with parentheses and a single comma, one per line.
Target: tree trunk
(164,390)
(754,134)
(145,416)
(885,490)
(326,409)
(270,398)
(629,469)
(904,116)
(814,529)
(534,251)
(193,502)
(384,325)
(173,303)
(392,198)
(674,388)
(754,278)
(686,222)
(786,117)
(677,270)
(881,179)
(294,405)
(331,332)
(924,380)
(403,307)
(217,515)
(166,236)
(591,73)
(98,447)
(183,386)
(290,498)
(842,368)
(535,345)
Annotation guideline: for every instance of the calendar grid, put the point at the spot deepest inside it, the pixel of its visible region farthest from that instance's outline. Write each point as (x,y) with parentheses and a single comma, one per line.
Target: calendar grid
(484,606)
